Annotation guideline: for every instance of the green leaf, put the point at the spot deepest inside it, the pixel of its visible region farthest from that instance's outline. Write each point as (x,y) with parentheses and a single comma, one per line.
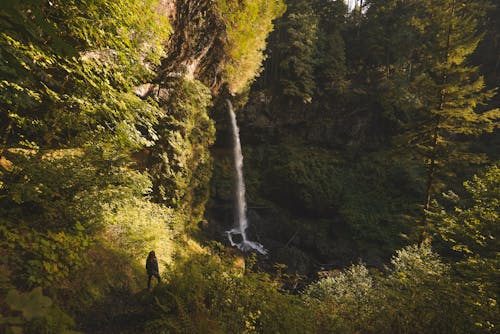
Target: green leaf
(32,304)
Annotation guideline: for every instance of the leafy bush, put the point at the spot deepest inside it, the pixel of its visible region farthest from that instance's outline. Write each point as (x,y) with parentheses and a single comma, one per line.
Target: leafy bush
(55,209)
(350,286)
(416,295)
(29,312)
(206,293)
(342,301)
(471,230)
(138,226)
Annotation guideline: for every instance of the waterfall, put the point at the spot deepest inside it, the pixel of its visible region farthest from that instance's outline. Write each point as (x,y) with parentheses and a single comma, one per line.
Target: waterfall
(241,221)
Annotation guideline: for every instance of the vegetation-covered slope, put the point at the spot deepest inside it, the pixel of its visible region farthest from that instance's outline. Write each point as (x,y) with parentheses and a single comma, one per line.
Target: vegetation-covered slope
(105,135)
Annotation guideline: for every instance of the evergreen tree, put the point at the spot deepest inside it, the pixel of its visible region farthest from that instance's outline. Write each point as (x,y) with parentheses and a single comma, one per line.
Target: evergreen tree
(329,58)
(296,44)
(447,89)
(487,55)
(439,91)
(248,24)
(471,226)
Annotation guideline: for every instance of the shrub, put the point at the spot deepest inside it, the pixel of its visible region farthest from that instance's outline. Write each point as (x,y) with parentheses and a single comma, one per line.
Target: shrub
(206,293)
(138,226)
(416,295)
(29,312)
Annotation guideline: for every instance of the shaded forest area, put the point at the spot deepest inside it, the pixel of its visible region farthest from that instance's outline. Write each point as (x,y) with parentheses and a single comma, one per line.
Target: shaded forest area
(371,148)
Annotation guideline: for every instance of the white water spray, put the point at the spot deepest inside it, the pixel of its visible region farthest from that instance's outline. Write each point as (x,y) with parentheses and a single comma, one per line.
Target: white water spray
(241,222)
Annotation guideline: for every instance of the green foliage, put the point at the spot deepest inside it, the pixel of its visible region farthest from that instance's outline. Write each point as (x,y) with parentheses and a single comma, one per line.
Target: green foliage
(181,167)
(297,46)
(44,258)
(471,229)
(247,25)
(32,305)
(210,293)
(30,312)
(63,76)
(329,58)
(367,196)
(54,208)
(70,125)
(138,226)
(77,219)
(487,55)
(342,302)
(419,72)
(429,88)
(309,172)
(413,264)
(350,286)
(420,296)
(72,198)
(415,295)
(306,53)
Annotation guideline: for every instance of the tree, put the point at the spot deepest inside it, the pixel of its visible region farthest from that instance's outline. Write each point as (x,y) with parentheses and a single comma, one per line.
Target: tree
(70,123)
(248,24)
(443,88)
(453,88)
(487,54)
(471,228)
(180,163)
(296,44)
(63,76)
(329,57)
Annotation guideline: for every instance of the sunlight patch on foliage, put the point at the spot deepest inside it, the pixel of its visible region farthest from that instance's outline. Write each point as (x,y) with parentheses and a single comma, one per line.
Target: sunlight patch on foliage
(248,24)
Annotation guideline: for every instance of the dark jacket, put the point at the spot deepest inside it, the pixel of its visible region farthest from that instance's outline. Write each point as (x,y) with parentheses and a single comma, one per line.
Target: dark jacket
(152,265)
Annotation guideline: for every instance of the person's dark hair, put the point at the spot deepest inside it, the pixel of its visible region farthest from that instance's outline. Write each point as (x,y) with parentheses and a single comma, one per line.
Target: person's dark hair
(152,254)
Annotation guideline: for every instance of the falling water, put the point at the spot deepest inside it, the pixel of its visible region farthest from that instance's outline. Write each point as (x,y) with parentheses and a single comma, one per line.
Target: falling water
(241,222)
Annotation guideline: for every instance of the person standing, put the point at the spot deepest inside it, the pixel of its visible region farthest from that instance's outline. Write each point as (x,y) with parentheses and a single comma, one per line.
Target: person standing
(152,268)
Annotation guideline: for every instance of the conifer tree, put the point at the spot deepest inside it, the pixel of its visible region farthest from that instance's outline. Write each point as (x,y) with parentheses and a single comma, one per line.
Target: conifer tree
(446,88)
(487,55)
(439,91)
(330,67)
(296,44)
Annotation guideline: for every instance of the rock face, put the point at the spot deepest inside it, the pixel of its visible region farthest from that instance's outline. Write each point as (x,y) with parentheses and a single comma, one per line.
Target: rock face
(191,79)
(187,80)
(196,48)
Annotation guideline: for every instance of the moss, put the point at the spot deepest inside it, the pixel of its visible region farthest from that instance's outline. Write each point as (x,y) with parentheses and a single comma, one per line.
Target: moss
(181,164)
